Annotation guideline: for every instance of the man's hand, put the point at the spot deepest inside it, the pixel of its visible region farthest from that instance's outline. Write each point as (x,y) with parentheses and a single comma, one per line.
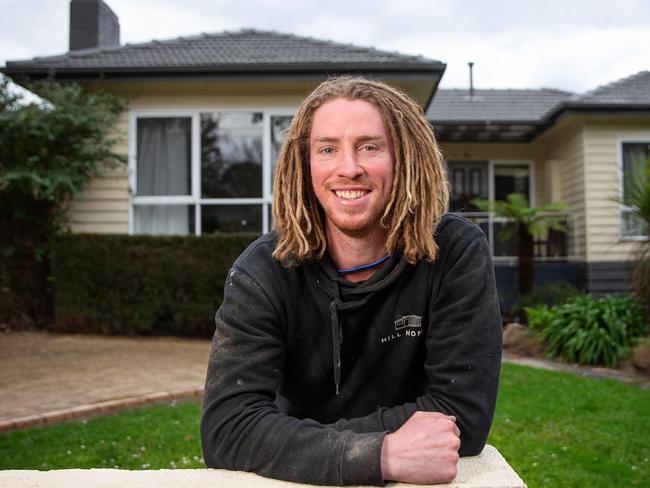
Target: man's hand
(424,450)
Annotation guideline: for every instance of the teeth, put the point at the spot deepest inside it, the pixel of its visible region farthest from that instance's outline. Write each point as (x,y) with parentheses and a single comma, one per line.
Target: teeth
(350,195)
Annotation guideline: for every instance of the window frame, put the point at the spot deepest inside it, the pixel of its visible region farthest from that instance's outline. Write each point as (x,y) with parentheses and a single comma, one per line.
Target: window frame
(195,197)
(638,139)
(491,163)
(491,194)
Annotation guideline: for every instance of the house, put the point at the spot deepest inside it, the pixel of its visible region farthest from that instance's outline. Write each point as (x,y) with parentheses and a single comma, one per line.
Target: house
(553,146)
(207,113)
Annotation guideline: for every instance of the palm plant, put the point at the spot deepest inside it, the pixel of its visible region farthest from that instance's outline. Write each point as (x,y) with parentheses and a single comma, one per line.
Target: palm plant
(636,199)
(529,222)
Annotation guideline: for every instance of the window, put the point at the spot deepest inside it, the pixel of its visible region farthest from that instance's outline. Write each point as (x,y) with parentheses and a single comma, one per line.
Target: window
(204,171)
(512,178)
(164,219)
(488,180)
(467,180)
(164,156)
(279,126)
(635,156)
(231,155)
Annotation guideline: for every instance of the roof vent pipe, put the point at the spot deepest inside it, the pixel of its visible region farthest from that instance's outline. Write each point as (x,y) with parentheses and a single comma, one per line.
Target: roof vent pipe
(471,80)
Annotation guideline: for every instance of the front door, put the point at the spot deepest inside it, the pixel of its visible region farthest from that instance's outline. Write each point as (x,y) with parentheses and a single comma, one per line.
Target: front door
(467,180)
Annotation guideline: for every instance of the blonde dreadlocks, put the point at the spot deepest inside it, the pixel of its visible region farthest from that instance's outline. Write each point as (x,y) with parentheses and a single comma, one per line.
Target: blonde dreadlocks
(419,193)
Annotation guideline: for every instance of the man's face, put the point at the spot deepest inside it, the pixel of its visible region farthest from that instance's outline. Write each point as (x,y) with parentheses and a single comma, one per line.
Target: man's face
(352,165)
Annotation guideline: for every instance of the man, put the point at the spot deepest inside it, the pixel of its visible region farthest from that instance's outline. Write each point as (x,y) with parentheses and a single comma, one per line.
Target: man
(361,341)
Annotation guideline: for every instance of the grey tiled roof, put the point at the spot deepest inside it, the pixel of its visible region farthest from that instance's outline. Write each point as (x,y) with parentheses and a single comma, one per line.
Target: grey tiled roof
(245,50)
(634,89)
(454,106)
(496,106)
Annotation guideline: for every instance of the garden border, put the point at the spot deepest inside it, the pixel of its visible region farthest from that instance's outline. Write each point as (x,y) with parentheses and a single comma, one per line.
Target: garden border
(89,410)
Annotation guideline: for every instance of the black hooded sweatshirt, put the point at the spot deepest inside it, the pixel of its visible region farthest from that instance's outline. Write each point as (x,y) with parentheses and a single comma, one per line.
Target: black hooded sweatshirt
(412,337)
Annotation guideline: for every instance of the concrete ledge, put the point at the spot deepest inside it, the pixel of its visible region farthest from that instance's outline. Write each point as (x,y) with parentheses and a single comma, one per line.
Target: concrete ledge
(487,470)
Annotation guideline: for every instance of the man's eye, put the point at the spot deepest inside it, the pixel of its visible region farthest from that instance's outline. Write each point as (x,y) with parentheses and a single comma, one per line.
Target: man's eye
(369,148)
(327,150)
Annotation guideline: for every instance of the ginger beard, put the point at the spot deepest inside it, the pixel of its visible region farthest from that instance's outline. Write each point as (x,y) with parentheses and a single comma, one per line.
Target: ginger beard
(352,166)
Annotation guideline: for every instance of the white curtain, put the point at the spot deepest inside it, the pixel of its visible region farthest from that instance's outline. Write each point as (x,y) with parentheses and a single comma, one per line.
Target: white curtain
(163,168)
(163,219)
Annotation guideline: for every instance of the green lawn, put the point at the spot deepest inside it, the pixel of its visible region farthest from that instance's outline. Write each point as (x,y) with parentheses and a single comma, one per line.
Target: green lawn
(561,430)
(555,429)
(149,438)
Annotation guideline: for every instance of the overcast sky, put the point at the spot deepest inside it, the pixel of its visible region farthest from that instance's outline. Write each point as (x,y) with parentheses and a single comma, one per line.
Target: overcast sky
(573,45)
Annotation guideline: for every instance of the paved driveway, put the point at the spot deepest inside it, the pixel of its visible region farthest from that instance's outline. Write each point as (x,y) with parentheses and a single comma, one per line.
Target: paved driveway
(42,372)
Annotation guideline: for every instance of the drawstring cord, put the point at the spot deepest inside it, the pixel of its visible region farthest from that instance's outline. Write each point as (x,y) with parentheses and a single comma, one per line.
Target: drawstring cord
(337,332)
(338,305)
(336,342)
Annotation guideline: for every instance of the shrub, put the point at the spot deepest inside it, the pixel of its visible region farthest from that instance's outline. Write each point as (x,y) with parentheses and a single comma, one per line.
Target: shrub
(119,284)
(585,330)
(549,294)
(636,197)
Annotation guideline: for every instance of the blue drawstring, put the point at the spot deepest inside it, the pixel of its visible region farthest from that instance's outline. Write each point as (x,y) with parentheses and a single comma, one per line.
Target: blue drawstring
(363,266)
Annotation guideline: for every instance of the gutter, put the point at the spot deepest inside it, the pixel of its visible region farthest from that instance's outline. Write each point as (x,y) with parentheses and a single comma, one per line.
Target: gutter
(559,112)
(312,72)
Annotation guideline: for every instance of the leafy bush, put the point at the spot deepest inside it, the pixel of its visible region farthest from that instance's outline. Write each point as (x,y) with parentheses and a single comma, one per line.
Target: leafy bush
(586,330)
(50,149)
(636,197)
(549,294)
(152,285)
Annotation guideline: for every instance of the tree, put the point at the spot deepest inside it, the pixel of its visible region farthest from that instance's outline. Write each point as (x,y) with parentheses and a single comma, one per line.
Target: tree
(529,222)
(50,149)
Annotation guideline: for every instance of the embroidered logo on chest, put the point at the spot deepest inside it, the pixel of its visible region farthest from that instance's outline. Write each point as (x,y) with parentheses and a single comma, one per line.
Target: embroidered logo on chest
(406,326)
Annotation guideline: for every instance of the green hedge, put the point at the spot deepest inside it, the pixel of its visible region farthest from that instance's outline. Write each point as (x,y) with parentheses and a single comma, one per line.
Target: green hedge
(118,284)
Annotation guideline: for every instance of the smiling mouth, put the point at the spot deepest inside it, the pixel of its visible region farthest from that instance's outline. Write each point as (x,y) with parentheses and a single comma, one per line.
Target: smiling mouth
(350,194)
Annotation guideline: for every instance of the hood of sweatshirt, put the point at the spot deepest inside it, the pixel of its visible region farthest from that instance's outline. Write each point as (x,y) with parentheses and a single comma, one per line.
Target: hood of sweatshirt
(346,295)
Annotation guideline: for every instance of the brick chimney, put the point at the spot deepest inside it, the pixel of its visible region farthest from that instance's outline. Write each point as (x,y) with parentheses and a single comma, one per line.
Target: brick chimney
(92,24)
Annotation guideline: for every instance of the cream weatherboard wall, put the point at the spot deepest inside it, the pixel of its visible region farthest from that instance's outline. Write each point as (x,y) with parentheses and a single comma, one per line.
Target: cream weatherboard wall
(562,147)
(104,206)
(602,139)
(574,162)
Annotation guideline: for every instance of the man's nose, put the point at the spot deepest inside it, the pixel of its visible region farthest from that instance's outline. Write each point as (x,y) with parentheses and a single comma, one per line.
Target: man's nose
(349,166)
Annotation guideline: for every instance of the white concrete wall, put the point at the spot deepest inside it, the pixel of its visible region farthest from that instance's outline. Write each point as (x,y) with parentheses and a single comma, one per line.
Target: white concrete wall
(487,470)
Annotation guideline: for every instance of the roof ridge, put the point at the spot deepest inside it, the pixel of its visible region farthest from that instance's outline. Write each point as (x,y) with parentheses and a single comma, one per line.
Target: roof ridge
(242,47)
(229,33)
(74,53)
(290,35)
(548,90)
(612,84)
(192,37)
